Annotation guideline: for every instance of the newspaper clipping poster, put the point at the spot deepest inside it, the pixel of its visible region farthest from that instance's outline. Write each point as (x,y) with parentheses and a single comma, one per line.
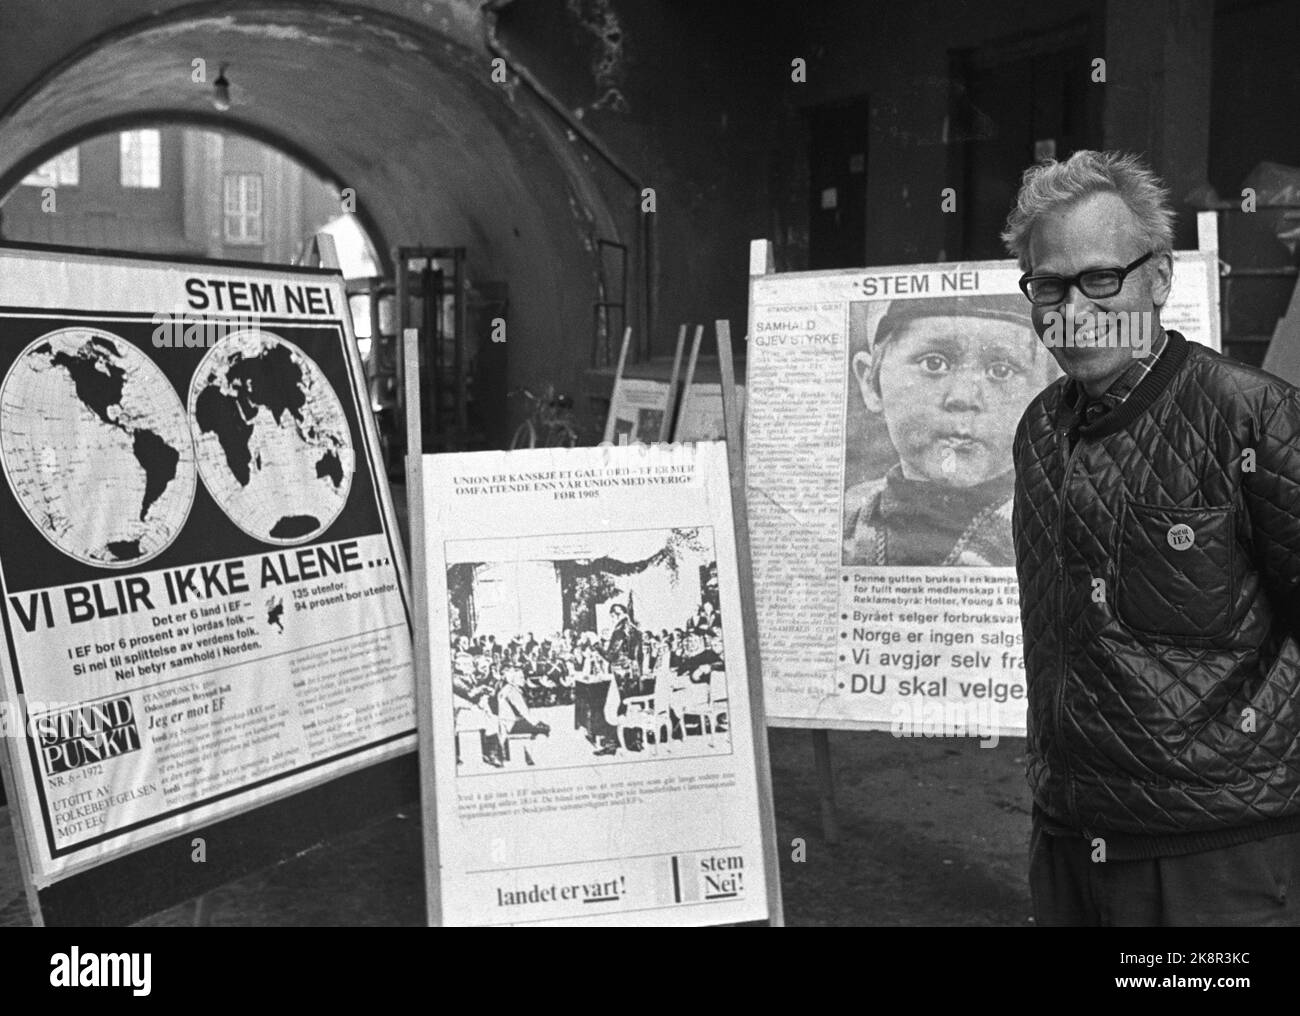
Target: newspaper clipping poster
(701,416)
(593,750)
(203,602)
(883,403)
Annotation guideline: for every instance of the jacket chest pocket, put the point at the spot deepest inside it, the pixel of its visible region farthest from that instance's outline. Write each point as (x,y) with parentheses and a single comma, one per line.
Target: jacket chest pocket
(1175,571)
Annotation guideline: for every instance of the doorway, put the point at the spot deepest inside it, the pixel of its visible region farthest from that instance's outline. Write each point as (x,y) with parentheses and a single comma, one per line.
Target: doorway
(837,163)
(1014,103)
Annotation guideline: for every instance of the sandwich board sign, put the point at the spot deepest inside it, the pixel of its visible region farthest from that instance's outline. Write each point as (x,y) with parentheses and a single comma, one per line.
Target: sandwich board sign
(203,590)
(592,740)
(881,408)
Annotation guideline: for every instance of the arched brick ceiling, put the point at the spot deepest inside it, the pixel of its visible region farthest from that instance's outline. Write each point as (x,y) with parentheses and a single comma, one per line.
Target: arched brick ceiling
(437,152)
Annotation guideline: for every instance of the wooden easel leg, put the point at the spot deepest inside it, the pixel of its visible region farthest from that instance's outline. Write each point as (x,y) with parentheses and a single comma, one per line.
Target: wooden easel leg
(203,911)
(825,785)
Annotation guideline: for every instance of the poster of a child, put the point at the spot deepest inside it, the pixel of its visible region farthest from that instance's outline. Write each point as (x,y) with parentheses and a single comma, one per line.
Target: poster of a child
(937,387)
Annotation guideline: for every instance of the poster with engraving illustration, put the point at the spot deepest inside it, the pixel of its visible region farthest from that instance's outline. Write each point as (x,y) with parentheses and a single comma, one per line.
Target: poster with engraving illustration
(701,417)
(590,699)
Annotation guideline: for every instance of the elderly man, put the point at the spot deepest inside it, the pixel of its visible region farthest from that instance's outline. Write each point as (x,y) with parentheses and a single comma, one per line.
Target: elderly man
(1158,550)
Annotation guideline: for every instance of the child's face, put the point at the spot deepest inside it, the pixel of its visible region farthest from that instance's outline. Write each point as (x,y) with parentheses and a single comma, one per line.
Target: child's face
(952,390)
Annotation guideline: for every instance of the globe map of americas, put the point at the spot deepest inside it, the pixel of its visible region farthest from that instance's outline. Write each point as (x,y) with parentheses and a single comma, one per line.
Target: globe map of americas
(96,447)
(272,443)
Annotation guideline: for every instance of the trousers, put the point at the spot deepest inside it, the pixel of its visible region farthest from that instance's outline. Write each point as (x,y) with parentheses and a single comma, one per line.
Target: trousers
(1249,885)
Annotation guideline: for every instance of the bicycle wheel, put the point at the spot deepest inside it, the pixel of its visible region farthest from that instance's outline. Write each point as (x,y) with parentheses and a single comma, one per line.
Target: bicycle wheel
(525,436)
(561,435)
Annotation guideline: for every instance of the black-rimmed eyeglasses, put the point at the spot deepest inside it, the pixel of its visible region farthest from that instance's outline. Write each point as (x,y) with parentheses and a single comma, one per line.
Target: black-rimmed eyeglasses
(1095,283)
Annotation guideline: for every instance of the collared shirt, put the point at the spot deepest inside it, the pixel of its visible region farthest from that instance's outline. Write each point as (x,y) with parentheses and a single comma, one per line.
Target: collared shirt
(1089,410)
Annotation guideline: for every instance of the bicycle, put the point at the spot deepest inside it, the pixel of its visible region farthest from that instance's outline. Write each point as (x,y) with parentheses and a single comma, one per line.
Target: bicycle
(549,423)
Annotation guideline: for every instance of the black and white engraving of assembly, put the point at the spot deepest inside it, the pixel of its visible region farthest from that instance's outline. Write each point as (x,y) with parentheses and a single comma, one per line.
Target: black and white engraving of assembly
(633,462)
(566,651)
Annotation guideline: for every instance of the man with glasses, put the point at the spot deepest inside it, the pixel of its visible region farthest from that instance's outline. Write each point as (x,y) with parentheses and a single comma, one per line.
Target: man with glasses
(1157,533)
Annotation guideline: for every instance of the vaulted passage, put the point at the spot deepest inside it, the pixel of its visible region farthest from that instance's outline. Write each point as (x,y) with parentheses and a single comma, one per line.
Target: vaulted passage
(406,115)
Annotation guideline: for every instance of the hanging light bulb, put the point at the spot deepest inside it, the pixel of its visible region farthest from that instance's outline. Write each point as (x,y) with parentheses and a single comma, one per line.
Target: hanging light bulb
(221,91)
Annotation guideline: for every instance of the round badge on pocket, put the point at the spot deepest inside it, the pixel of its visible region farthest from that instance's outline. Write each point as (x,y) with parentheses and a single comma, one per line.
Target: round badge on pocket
(1180,537)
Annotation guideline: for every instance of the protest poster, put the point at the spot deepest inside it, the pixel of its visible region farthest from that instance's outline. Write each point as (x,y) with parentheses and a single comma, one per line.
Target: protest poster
(1193,305)
(883,403)
(636,411)
(593,749)
(203,592)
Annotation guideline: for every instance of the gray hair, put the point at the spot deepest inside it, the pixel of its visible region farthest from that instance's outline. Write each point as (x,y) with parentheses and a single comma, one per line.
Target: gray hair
(1051,183)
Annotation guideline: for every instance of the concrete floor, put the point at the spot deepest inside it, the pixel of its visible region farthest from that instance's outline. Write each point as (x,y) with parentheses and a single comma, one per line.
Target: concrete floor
(933,832)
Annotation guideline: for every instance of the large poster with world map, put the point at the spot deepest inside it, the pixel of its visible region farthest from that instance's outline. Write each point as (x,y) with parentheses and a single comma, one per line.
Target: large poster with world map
(201,585)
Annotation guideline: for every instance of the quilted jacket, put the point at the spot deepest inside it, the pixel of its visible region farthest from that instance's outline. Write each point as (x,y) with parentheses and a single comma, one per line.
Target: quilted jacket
(1156,555)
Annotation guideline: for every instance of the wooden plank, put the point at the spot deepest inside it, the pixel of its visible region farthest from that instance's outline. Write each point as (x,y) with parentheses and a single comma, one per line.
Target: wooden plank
(690,374)
(666,424)
(420,625)
(327,252)
(1207,240)
(821,740)
(400,312)
(618,379)
(19,821)
(753,664)
(462,366)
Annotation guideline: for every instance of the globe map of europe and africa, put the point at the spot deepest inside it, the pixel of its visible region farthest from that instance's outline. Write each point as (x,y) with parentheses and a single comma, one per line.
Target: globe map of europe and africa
(271,439)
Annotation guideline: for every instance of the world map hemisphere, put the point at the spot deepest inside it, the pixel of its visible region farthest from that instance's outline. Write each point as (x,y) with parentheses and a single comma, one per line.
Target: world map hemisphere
(272,441)
(88,422)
